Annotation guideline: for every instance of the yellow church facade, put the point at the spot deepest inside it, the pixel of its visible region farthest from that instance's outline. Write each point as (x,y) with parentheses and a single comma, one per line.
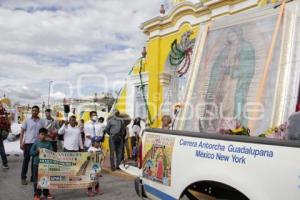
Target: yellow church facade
(146,91)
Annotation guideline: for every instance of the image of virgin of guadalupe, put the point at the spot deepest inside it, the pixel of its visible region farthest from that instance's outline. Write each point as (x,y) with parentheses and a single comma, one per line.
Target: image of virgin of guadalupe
(229,82)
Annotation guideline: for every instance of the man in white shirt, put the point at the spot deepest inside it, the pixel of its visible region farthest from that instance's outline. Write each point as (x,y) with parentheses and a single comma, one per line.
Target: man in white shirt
(91,129)
(72,136)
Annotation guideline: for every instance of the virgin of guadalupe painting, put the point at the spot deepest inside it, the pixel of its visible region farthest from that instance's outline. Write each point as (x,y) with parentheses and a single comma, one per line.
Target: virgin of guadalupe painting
(229,74)
(158,159)
(230,78)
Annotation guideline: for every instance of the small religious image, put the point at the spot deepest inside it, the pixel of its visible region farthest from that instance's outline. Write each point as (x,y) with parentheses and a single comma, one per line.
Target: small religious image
(157,164)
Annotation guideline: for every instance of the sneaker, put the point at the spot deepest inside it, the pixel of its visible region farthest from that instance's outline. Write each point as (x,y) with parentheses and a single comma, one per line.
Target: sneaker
(5,166)
(49,196)
(24,182)
(36,197)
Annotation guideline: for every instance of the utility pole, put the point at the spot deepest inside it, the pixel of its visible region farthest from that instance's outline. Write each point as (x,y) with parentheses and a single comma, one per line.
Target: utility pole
(50,82)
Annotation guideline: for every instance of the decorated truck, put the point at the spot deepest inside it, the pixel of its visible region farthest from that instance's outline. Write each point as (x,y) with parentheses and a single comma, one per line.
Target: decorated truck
(244,73)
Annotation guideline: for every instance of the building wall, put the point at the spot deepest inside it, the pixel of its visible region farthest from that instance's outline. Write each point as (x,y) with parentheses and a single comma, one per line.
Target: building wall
(158,50)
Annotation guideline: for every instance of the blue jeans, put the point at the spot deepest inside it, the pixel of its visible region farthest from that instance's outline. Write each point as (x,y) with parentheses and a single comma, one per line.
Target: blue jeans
(26,161)
(116,148)
(2,150)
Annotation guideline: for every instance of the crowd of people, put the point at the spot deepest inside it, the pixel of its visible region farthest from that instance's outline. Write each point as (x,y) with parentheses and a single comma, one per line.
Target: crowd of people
(70,135)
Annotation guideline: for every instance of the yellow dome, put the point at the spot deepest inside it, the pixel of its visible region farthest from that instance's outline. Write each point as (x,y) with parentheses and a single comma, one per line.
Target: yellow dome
(6,101)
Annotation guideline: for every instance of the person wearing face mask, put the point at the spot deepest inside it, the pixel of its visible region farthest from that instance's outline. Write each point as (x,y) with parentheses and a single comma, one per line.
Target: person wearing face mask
(91,129)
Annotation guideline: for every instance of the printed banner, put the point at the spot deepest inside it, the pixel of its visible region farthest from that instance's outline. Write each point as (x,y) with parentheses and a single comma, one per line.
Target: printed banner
(158,158)
(68,170)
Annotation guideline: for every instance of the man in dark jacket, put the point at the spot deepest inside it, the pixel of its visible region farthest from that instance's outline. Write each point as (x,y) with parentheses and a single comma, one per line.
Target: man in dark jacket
(4,130)
(116,130)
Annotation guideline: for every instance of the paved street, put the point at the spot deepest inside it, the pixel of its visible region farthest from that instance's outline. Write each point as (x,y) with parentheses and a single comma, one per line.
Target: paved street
(114,186)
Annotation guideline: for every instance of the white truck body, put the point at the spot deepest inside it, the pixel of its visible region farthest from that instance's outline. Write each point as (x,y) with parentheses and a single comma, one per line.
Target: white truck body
(258,168)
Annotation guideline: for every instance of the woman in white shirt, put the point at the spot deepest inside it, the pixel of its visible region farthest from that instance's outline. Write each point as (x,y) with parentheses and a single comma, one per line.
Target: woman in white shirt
(72,136)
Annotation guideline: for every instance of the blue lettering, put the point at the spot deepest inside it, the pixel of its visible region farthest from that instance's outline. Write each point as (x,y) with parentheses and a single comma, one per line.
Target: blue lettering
(222,157)
(183,142)
(240,160)
(202,154)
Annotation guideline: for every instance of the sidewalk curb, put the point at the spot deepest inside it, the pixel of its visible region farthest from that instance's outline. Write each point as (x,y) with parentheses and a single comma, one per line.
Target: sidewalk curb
(119,173)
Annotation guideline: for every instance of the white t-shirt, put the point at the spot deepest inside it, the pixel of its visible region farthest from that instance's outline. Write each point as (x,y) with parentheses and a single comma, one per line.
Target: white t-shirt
(135,131)
(92,129)
(72,137)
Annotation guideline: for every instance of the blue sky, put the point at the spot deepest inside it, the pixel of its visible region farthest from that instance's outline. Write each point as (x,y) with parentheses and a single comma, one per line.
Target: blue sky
(82,45)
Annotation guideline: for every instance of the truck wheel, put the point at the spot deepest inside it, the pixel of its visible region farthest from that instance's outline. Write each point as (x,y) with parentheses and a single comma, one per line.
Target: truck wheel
(210,190)
(195,195)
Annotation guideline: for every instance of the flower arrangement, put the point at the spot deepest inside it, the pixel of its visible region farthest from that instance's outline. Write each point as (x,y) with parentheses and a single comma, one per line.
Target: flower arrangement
(278,132)
(238,129)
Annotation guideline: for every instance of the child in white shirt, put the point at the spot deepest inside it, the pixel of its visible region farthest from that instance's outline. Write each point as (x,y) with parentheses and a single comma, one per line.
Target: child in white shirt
(96,148)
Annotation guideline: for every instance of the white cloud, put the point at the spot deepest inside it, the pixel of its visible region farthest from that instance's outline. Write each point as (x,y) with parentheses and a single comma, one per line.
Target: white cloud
(22,92)
(58,95)
(64,40)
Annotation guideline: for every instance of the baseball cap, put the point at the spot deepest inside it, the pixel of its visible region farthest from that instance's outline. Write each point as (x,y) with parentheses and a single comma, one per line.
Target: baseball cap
(96,139)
